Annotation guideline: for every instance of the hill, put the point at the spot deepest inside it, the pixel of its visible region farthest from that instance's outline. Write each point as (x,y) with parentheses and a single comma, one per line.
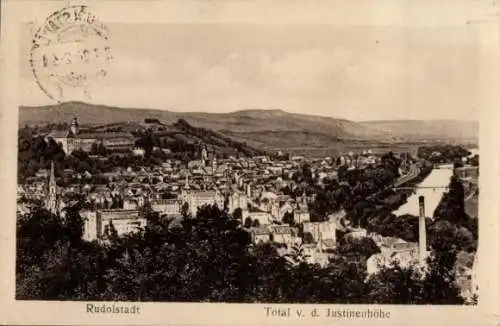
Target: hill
(239,121)
(428,129)
(263,129)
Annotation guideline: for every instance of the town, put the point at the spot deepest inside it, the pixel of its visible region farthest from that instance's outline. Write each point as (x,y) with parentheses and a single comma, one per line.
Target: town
(309,209)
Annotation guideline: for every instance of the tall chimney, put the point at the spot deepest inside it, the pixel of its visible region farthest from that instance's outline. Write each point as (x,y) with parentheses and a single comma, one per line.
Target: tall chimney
(422,237)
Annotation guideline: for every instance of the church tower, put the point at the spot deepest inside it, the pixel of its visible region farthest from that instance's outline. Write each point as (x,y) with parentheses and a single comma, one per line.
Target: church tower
(204,156)
(214,164)
(52,196)
(74,126)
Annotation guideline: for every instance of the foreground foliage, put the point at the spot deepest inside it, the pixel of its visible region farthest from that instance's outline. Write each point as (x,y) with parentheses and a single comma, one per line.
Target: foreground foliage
(207,258)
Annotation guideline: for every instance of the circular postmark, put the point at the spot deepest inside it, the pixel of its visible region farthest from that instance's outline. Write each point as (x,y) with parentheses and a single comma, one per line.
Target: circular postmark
(70,52)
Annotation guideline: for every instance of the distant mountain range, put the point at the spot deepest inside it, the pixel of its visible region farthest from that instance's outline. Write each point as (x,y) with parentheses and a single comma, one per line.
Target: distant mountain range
(427,129)
(267,129)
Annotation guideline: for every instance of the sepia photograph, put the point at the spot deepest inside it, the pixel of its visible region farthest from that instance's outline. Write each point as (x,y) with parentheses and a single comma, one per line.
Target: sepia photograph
(249,162)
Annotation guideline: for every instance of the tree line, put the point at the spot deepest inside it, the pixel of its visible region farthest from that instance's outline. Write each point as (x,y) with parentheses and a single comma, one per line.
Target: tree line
(35,153)
(443,153)
(353,190)
(208,258)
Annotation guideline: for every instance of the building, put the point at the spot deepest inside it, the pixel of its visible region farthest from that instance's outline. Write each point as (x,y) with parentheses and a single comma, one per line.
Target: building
(260,234)
(282,234)
(75,139)
(397,250)
(169,207)
(98,224)
(90,225)
(321,230)
(237,200)
(123,220)
(356,233)
(264,218)
(196,199)
(387,257)
(301,213)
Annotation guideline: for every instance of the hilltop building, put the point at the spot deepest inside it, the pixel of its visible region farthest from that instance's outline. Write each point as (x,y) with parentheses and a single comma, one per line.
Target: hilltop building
(76,139)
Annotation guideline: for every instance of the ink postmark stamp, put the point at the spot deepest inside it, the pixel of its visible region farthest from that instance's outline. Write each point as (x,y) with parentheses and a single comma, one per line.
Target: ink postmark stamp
(70,52)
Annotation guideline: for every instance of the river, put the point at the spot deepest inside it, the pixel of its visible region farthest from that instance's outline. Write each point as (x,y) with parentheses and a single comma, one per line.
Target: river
(437,178)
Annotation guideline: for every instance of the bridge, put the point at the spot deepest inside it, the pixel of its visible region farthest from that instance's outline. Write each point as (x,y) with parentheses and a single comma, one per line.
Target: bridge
(446,166)
(422,187)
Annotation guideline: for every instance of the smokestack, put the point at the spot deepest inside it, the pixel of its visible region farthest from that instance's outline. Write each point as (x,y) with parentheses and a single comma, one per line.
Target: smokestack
(422,237)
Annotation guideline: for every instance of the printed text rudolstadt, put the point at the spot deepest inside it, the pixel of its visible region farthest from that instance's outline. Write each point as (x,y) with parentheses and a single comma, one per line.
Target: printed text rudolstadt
(112,309)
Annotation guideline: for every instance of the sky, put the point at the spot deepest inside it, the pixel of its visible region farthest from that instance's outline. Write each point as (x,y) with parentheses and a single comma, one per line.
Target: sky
(356,72)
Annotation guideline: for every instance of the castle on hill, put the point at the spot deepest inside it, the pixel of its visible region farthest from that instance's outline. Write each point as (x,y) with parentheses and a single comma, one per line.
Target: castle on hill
(75,139)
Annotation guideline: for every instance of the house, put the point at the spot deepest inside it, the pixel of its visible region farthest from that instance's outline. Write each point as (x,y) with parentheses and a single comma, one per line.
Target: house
(392,244)
(260,234)
(264,218)
(282,234)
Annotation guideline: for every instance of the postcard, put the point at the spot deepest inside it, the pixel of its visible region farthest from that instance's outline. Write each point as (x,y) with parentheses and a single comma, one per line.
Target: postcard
(240,162)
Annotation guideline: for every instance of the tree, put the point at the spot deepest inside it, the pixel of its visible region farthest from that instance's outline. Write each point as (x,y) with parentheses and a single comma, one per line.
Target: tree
(308,237)
(160,266)
(53,262)
(255,223)
(101,149)
(296,255)
(94,149)
(289,218)
(395,284)
(439,285)
(306,172)
(474,161)
(238,214)
(209,258)
(248,222)
(185,210)
(342,173)
(361,248)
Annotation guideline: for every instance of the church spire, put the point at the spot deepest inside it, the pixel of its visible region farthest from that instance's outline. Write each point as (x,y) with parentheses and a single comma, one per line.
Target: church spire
(74,126)
(52,197)
(204,155)
(52,180)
